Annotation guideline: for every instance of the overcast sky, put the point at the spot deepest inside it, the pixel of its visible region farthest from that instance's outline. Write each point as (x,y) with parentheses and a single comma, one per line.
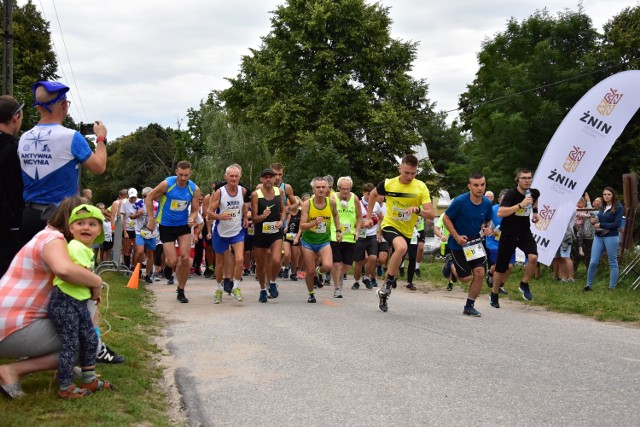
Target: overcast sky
(131,63)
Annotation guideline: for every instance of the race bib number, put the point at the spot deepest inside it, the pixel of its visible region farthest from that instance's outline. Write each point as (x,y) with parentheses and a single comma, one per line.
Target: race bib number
(414,239)
(400,214)
(251,230)
(146,233)
(524,211)
(178,205)
(320,228)
(131,223)
(474,250)
(363,233)
(269,227)
(235,213)
(290,236)
(346,228)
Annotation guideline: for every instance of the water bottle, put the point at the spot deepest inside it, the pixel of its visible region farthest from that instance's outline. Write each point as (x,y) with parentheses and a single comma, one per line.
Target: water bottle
(529,207)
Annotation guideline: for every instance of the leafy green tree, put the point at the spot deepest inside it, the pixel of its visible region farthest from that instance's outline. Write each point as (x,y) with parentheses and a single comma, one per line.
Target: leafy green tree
(33,56)
(330,75)
(620,50)
(530,76)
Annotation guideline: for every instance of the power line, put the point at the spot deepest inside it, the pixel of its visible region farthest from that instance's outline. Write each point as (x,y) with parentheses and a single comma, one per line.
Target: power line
(55,50)
(500,98)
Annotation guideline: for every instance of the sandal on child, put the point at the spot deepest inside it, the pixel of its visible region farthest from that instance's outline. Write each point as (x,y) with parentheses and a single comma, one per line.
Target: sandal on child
(73,392)
(97,385)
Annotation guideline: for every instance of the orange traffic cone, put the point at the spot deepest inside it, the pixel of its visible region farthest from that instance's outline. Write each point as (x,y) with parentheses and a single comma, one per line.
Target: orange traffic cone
(133,280)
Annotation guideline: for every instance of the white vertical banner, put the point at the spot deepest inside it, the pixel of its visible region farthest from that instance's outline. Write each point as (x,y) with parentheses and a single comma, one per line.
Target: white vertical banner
(575,153)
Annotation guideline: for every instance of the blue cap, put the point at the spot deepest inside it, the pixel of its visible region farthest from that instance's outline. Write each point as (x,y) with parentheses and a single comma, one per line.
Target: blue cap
(51,87)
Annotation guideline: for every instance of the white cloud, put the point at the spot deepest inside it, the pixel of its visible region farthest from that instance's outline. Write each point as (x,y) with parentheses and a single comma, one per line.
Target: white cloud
(140,61)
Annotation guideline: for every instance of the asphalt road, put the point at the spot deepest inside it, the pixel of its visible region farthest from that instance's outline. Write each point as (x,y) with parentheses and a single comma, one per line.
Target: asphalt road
(343,362)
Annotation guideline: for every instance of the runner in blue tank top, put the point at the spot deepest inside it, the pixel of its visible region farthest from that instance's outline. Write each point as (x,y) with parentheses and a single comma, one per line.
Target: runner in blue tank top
(176,194)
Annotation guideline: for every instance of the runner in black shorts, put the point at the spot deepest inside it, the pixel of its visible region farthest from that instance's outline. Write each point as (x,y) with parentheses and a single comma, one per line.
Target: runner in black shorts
(519,207)
(293,225)
(468,218)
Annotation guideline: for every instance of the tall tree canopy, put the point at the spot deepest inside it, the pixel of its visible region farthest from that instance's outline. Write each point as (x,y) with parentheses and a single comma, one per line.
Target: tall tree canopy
(527,81)
(330,75)
(33,55)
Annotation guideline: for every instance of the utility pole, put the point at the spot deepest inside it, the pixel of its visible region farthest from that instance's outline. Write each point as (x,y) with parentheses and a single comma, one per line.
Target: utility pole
(7,49)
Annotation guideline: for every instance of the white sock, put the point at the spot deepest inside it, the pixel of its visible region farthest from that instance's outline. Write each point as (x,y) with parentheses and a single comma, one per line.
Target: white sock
(220,286)
(236,284)
(417,265)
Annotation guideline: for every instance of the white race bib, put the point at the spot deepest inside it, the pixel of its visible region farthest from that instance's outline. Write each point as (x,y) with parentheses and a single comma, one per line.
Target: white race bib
(346,228)
(400,214)
(235,213)
(251,230)
(363,233)
(320,228)
(269,227)
(146,233)
(474,250)
(178,205)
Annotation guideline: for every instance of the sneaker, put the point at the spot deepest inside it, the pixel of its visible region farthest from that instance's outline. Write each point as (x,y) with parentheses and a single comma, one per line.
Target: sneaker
(355,286)
(170,281)
(227,285)
(446,266)
(207,272)
(374,283)
(494,302)
(246,272)
(382,300)
(586,288)
(156,277)
(449,286)
(217,296)
(318,278)
(198,272)
(489,280)
(293,277)
(106,355)
(395,283)
(327,279)
(337,293)
(181,297)
(302,274)
(417,272)
(273,290)
(471,311)
(503,291)
(367,283)
(236,294)
(148,279)
(526,293)
(411,287)
(312,298)
(263,295)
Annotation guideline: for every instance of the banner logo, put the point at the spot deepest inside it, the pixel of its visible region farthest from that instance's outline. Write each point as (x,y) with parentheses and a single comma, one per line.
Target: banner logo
(546,215)
(573,159)
(609,102)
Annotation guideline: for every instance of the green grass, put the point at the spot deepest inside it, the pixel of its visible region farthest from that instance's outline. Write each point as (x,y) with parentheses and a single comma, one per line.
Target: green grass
(139,400)
(621,304)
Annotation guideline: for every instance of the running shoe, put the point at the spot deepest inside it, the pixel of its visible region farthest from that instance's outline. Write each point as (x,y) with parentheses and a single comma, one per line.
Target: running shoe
(207,273)
(586,288)
(156,277)
(337,293)
(217,296)
(318,278)
(489,280)
(471,311)
(374,283)
(382,300)
(449,286)
(446,266)
(170,281)
(312,298)
(246,272)
(197,272)
(327,279)
(503,291)
(263,295)
(181,297)
(525,291)
(106,355)
(148,279)
(273,290)
(236,294)
(227,285)
(411,287)
(495,300)
(355,286)
(367,282)
(417,272)
(293,277)
(379,271)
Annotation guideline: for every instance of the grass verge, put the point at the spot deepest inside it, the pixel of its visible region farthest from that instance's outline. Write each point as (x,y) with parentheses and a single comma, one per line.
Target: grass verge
(621,304)
(139,400)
